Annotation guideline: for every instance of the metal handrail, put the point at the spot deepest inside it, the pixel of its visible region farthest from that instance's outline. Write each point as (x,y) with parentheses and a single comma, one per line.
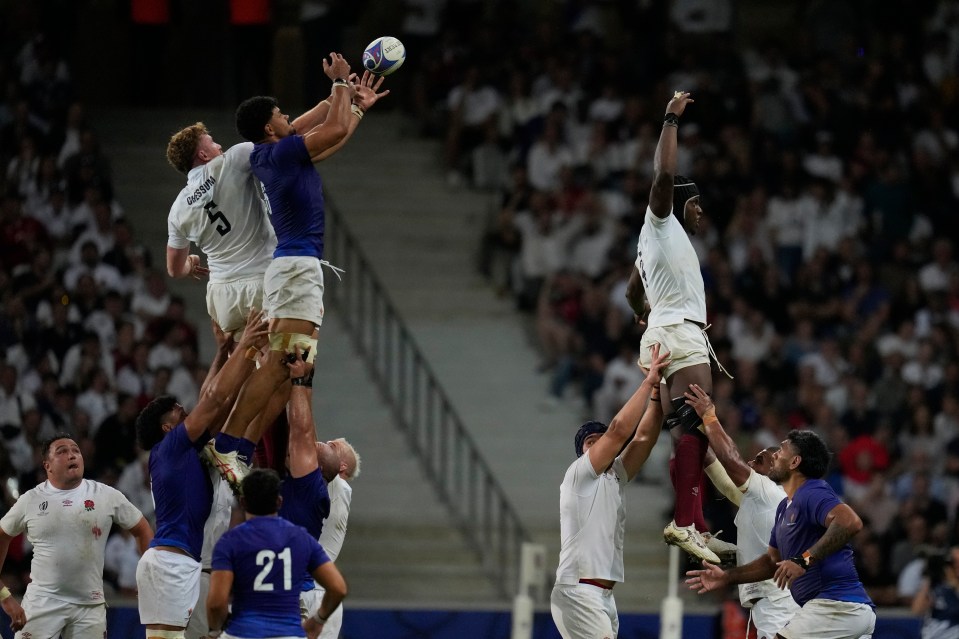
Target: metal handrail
(434,430)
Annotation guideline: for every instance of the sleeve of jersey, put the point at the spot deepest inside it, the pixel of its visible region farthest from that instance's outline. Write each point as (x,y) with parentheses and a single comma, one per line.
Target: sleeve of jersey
(819,501)
(178,442)
(584,471)
(318,556)
(222,554)
(175,238)
(291,151)
(12,523)
(237,157)
(773,543)
(652,218)
(124,513)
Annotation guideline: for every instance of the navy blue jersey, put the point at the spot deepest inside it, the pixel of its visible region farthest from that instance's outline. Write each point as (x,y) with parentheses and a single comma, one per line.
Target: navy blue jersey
(266,556)
(306,502)
(182,491)
(295,192)
(799,525)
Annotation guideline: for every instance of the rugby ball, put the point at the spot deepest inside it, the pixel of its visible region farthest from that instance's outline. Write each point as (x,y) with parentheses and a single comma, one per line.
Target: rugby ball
(384,55)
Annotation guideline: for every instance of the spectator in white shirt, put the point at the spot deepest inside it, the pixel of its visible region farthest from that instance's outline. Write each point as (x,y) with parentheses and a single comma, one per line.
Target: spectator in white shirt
(153,300)
(547,156)
(823,162)
(106,276)
(935,275)
(98,400)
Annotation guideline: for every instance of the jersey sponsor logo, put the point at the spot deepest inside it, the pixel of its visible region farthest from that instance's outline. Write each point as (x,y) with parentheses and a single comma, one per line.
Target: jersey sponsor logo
(200,190)
(88,504)
(66,503)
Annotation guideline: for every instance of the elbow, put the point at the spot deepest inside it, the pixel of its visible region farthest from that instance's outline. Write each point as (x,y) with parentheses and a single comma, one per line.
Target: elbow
(855,525)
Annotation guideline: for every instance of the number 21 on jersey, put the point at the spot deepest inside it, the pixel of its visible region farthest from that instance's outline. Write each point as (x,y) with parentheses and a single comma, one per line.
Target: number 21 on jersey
(266,558)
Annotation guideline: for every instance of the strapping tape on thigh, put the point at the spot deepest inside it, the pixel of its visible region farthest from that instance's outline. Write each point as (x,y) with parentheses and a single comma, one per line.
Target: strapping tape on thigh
(164,634)
(287,342)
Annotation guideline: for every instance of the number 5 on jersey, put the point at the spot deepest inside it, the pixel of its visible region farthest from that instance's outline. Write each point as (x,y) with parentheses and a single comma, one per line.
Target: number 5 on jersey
(217,216)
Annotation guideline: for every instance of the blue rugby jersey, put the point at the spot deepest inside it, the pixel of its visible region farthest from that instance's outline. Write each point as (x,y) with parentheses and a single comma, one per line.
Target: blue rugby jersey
(306,503)
(182,491)
(266,556)
(799,525)
(295,192)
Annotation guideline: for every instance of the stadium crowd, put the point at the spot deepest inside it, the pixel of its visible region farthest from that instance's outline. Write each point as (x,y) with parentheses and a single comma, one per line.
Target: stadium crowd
(829,167)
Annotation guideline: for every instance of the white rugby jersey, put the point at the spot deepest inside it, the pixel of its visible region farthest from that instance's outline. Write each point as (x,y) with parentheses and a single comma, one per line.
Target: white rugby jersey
(667,262)
(334,526)
(592,520)
(68,530)
(754,524)
(219,520)
(222,209)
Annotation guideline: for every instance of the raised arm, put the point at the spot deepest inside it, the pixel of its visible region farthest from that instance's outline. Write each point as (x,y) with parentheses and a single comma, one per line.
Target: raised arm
(299,414)
(366,96)
(224,345)
(712,577)
(9,603)
(335,126)
(664,161)
(638,449)
(626,421)
(722,444)
(213,406)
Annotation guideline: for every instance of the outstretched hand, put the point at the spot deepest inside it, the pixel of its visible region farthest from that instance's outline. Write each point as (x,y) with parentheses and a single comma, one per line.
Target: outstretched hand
(702,581)
(698,399)
(366,89)
(336,68)
(654,374)
(678,104)
(296,362)
(255,331)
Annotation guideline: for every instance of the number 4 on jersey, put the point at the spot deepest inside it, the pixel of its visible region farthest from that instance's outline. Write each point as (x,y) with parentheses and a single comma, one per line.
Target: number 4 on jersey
(217,216)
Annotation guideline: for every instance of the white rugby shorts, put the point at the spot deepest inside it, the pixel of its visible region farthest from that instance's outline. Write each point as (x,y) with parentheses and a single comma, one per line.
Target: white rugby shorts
(199,625)
(169,588)
(229,303)
(583,610)
(769,616)
(293,287)
(685,343)
(310,603)
(48,617)
(830,619)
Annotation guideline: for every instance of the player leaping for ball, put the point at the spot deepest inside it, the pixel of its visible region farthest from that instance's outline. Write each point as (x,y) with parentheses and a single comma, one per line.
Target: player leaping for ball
(667,269)
(282,159)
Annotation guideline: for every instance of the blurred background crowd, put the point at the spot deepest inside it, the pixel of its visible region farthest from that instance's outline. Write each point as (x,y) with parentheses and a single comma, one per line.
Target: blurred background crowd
(828,160)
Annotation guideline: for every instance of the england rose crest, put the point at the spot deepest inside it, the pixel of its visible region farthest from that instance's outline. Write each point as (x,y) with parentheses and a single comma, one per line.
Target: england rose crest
(88,504)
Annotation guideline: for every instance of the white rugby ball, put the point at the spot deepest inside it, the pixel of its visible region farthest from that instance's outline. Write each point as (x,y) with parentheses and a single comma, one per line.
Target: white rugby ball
(384,55)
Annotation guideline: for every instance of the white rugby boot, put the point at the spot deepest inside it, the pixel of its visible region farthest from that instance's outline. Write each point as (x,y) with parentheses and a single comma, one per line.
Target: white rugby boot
(231,468)
(689,539)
